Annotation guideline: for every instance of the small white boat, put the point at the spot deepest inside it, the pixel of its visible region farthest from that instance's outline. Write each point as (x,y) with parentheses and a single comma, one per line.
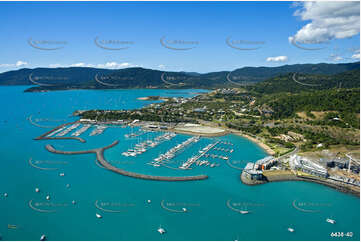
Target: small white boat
(184,209)
(43,237)
(243,212)
(5,194)
(37,190)
(291,230)
(149,201)
(48,197)
(98,215)
(73,202)
(161,230)
(331,221)
(61,174)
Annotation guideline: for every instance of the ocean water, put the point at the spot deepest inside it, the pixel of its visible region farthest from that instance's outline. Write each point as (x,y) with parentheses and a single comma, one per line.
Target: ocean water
(208,217)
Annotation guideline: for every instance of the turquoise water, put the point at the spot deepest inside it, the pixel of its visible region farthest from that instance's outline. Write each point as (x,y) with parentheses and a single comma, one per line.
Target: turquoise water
(207,216)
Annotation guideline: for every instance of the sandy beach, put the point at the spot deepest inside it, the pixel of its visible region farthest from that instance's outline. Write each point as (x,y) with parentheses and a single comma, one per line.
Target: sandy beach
(258,142)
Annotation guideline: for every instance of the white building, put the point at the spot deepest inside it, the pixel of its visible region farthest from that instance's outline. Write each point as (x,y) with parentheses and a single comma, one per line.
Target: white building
(307,166)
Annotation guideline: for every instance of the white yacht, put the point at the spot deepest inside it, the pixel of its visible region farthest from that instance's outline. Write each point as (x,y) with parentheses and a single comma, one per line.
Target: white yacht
(331,221)
(243,212)
(43,237)
(47,197)
(161,230)
(291,230)
(184,209)
(98,215)
(37,190)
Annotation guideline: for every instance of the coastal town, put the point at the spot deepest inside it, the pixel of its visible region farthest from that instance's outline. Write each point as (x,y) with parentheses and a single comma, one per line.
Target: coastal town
(216,114)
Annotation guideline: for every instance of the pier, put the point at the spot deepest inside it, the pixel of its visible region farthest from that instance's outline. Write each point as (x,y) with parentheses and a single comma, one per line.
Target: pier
(100,157)
(190,161)
(45,135)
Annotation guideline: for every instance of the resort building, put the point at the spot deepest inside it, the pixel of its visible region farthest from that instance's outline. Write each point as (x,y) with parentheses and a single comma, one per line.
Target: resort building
(265,163)
(307,166)
(252,173)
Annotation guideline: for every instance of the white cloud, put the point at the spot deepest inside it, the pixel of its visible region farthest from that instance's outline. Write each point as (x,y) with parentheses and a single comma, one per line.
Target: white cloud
(115,65)
(329,20)
(21,63)
(81,64)
(336,57)
(107,65)
(281,58)
(356,55)
(55,65)
(17,64)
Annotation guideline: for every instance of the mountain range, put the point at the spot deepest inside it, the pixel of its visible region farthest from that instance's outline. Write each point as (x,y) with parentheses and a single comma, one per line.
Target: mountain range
(45,79)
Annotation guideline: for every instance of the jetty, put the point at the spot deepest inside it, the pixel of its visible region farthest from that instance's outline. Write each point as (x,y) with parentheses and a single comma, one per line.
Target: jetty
(100,157)
(55,130)
(190,161)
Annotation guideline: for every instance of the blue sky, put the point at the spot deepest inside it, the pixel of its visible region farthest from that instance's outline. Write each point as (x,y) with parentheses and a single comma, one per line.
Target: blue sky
(203,27)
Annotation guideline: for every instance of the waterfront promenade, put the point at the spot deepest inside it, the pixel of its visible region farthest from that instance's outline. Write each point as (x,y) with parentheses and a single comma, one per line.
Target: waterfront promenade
(288,175)
(100,157)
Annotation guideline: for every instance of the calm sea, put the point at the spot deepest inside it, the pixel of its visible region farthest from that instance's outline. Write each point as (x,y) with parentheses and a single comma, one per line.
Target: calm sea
(273,207)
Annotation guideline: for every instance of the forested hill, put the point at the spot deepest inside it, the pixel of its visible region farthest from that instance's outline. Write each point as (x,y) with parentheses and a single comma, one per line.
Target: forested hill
(94,78)
(297,82)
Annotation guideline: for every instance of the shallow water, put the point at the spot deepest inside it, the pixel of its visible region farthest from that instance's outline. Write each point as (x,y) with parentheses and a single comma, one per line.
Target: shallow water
(207,216)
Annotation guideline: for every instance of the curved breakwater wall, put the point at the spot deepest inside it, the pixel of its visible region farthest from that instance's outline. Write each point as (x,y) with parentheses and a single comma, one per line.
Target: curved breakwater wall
(100,157)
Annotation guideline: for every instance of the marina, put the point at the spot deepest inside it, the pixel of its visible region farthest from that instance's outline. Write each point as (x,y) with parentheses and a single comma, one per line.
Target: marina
(81,130)
(194,159)
(142,147)
(100,157)
(172,152)
(89,183)
(99,129)
(68,129)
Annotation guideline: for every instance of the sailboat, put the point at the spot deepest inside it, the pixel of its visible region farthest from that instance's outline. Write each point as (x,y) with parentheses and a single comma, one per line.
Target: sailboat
(161,230)
(331,221)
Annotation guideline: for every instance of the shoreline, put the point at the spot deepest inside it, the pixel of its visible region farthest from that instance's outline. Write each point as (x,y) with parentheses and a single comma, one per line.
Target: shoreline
(283,176)
(264,146)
